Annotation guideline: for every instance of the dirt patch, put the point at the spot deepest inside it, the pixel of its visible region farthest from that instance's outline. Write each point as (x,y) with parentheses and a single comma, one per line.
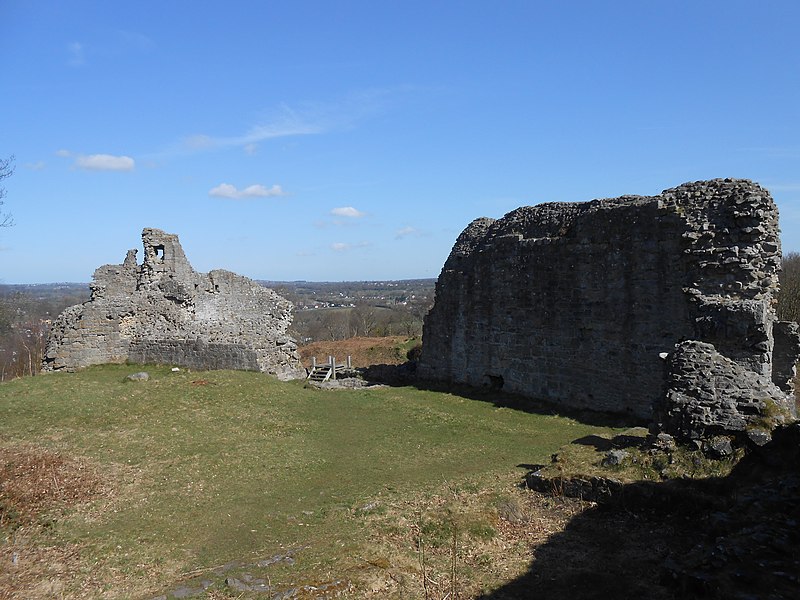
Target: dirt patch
(363,351)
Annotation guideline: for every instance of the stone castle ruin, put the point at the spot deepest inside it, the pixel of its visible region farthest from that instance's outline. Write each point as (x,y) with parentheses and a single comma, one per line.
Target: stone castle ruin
(162,311)
(659,307)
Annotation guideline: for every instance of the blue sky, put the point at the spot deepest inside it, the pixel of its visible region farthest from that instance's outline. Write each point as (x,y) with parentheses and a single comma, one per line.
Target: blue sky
(349,140)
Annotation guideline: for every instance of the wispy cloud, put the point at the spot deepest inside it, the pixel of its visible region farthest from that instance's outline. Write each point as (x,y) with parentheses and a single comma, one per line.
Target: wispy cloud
(36,166)
(405,232)
(99,162)
(344,247)
(309,118)
(76,54)
(226,190)
(287,123)
(347,211)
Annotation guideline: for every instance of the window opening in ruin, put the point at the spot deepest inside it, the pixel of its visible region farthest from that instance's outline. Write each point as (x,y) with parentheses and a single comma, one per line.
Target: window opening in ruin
(159,253)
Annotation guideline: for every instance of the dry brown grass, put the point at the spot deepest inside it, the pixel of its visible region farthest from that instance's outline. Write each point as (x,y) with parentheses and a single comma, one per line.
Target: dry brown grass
(364,351)
(37,488)
(459,542)
(37,484)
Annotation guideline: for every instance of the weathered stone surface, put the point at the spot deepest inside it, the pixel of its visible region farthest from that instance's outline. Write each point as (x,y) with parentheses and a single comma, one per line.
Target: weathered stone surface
(708,394)
(578,303)
(140,376)
(163,311)
(614,458)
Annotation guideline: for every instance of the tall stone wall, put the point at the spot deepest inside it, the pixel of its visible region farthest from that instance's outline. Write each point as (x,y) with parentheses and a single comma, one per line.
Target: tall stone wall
(579,303)
(162,311)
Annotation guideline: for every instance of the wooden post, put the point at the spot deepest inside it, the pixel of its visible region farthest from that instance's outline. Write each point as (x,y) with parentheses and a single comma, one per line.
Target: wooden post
(349,364)
(313,362)
(333,367)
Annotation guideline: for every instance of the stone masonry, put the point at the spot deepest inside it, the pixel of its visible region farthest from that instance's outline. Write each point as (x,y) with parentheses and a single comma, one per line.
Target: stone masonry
(583,304)
(162,311)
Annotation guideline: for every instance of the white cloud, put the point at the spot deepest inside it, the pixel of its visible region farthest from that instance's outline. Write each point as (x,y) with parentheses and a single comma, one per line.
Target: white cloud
(226,190)
(347,211)
(405,231)
(63,153)
(37,166)
(77,56)
(104,162)
(342,246)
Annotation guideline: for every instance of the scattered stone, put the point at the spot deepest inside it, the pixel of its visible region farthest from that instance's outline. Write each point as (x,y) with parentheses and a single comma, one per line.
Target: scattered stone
(278,558)
(140,376)
(719,446)
(164,312)
(663,441)
(189,592)
(759,437)
(614,458)
(254,585)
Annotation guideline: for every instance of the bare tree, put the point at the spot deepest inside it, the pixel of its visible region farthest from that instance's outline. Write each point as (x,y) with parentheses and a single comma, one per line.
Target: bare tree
(789,296)
(363,319)
(6,171)
(336,325)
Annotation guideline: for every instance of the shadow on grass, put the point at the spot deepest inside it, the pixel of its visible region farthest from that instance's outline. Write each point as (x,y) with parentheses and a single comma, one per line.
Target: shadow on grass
(734,537)
(404,375)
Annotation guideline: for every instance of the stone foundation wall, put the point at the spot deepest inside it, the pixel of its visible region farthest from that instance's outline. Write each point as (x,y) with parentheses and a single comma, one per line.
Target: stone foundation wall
(579,303)
(162,311)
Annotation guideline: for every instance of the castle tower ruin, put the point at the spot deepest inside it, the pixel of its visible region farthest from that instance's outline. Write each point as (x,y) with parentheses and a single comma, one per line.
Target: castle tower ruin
(163,311)
(587,304)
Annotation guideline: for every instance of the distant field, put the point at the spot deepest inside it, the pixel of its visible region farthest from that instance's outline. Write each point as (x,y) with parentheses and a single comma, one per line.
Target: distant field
(118,489)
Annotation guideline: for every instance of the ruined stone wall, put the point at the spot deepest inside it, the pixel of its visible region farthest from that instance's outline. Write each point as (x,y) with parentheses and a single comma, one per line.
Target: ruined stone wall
(579,303)
(162,311)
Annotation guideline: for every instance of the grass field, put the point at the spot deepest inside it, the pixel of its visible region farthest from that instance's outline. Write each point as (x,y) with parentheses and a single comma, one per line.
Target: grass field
(136,489)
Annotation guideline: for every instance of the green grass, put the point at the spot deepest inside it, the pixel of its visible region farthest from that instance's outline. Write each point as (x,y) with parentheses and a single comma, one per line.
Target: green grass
(241,466)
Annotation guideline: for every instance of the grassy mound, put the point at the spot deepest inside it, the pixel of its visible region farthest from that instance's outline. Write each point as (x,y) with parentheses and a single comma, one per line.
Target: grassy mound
(193,479)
